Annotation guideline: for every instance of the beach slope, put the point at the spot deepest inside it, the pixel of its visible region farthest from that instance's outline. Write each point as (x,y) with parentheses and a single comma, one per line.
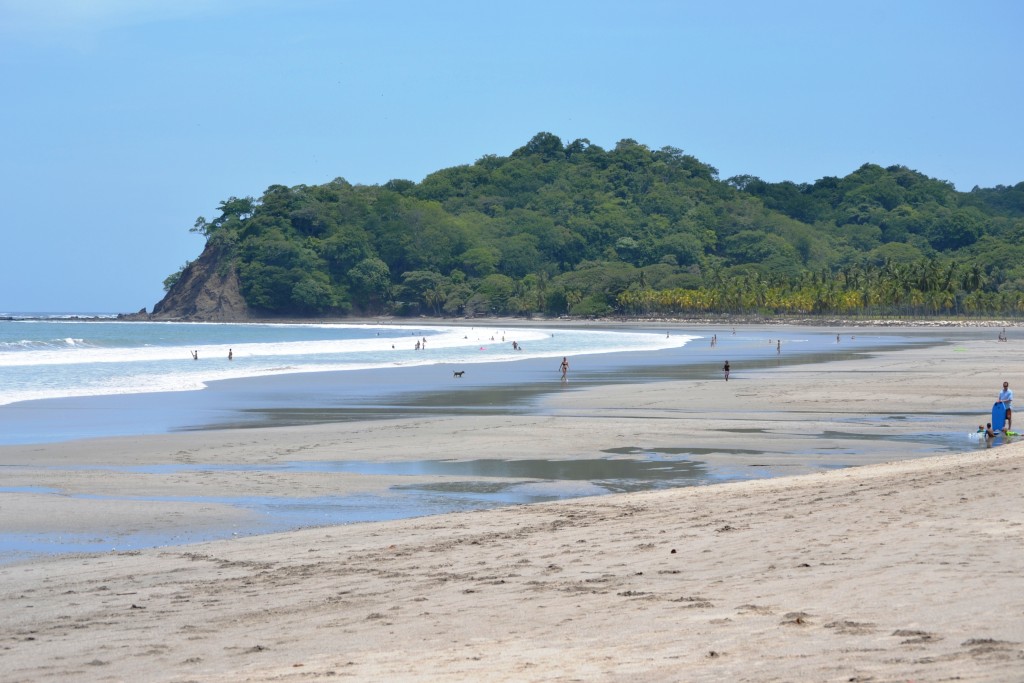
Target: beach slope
(901,571)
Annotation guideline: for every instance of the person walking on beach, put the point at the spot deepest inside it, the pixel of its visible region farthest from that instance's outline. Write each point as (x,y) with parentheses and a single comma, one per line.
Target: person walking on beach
(1006,396)
(231,354)
(725,370)
(564,367)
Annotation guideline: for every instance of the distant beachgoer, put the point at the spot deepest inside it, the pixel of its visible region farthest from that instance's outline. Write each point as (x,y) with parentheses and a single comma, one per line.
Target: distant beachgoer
(725,370)
(564,367)
(837,339)
(778,347)
(195,355)
(231,354)
(1006,396)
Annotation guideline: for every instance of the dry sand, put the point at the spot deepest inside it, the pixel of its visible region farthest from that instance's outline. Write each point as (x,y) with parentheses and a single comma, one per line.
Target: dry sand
(904,570)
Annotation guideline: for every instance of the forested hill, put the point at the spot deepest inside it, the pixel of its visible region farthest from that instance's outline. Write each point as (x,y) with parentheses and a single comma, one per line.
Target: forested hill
(575,229)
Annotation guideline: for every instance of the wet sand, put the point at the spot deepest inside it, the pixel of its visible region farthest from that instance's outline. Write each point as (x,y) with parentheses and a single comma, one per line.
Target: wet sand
(903,569)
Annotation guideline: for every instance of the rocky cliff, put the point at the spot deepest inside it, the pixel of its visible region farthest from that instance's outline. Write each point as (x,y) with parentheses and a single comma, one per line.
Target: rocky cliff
(207,290)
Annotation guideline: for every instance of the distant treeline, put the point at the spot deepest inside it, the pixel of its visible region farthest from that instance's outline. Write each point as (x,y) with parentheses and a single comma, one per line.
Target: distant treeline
(575,229)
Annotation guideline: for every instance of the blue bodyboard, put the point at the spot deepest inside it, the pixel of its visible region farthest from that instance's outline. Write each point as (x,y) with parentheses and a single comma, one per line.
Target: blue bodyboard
(998,416)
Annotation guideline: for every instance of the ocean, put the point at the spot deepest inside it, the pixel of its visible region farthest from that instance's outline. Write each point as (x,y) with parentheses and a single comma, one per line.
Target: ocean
(71,376)
(59,357)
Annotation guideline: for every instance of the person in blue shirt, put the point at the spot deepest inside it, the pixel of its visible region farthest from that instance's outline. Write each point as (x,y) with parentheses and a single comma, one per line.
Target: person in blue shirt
(1006,396)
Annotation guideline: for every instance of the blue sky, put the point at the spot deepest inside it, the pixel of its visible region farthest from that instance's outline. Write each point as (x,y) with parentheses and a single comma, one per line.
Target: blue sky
(124,120)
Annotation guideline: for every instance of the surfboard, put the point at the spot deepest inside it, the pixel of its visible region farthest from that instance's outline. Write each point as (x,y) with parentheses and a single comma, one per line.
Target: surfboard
(998,416)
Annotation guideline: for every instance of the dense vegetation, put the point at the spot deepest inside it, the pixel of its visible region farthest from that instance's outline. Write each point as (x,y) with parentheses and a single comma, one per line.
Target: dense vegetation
(576,229)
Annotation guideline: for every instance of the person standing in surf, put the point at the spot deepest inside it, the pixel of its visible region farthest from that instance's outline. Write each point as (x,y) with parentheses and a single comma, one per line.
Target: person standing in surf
(725,370)
(1006,397)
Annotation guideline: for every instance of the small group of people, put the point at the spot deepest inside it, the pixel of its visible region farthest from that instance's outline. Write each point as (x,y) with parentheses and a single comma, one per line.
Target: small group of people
(1006,398)
(987,431)
(195,354)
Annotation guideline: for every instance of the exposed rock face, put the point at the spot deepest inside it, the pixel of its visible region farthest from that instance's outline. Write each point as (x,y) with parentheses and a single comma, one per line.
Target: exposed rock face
(205,292)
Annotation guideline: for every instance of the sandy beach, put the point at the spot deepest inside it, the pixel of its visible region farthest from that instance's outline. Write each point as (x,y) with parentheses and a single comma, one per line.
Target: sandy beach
(903,568)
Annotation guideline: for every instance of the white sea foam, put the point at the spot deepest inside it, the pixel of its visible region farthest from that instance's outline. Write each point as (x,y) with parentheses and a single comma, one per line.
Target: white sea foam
(114,358)
(78,351)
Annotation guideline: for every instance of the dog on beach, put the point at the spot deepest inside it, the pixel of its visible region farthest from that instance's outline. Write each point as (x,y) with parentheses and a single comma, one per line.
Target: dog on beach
(458,373)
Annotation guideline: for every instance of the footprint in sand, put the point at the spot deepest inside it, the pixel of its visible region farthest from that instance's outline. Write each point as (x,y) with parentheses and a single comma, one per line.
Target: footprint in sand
(915,637)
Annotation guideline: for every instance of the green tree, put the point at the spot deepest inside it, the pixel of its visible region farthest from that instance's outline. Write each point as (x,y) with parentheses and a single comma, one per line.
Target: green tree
(371,281)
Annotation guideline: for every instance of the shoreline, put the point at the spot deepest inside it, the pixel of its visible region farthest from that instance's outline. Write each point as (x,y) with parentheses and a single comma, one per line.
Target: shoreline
(626,411)
(906,567)
(509,385)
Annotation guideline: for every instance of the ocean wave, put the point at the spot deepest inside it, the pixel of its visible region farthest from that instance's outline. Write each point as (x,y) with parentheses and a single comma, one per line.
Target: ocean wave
(78,351)
(79,366)
(35,345)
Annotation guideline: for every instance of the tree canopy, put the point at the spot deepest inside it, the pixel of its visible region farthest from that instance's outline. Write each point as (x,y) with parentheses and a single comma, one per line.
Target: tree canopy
(575,229)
